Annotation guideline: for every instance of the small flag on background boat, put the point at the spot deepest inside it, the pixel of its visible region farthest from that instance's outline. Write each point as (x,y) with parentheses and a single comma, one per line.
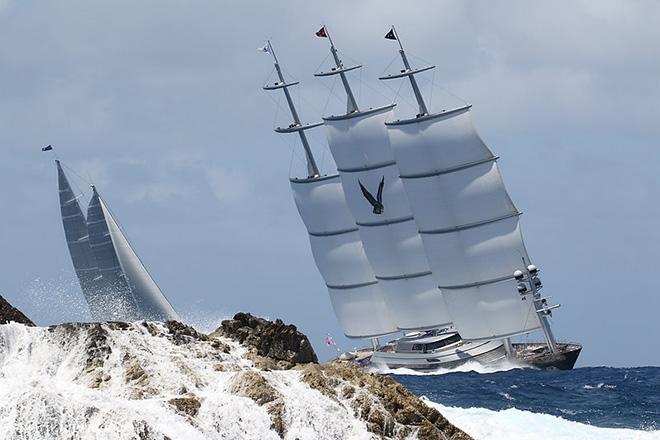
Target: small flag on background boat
(328,341)
(263,49)
(390,35)
(47,148)
(321,33)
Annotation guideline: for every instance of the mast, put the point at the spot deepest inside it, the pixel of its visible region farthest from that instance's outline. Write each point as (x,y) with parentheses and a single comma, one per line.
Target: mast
(528,282)
(530,277)
(296,126)
(410,73)
(359,143)
(339,69)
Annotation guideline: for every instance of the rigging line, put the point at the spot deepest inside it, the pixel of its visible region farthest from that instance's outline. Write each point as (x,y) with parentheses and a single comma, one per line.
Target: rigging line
(360,90)
(322,62)
(419,58)
(376,90)
(278,107)
(327,101)
(269,75)
(432,87)
(292,147)
(399,96)
(341,99)
(384,72)
(88,182)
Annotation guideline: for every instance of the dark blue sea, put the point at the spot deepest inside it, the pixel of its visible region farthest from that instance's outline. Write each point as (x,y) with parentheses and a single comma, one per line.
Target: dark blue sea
(592,402)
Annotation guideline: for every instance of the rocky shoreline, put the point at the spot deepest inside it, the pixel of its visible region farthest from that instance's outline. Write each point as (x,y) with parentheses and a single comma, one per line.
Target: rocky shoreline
(201,380)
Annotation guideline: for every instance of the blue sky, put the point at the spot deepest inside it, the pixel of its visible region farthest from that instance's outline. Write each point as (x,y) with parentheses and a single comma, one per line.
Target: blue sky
(160,104)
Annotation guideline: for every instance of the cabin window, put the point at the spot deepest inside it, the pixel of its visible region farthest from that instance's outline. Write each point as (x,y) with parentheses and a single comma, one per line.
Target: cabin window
(437,344)
(417,347)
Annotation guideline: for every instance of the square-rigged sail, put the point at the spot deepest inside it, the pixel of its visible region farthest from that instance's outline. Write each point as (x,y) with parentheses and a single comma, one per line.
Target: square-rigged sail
(467,221)
(360,146)
(338,251)
(355,293)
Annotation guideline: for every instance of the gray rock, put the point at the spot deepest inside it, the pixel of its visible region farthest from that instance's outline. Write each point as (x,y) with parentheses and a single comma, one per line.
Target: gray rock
(275,340)
(9,313)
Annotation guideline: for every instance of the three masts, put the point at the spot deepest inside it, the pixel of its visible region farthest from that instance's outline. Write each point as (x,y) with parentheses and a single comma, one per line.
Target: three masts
(416,231)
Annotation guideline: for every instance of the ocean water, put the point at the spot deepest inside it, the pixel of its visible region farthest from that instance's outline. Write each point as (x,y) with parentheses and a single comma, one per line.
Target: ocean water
(525,403)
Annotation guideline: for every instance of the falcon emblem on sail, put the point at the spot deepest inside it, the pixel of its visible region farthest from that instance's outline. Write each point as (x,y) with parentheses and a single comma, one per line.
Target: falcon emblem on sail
(376,202)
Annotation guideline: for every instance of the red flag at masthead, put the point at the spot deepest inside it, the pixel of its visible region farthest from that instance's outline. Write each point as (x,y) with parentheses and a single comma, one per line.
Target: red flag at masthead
(321,33)
(391,35)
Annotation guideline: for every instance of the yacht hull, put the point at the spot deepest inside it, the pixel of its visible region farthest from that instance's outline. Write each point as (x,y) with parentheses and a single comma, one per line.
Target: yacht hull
(537,355)
(488,352)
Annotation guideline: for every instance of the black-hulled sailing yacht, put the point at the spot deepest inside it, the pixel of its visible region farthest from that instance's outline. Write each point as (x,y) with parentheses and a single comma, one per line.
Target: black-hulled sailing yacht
(470,229)
(416,233)
(113,280)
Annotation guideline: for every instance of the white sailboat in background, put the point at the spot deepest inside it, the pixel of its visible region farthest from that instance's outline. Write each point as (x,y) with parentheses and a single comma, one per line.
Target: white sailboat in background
(114,282)
(416,233)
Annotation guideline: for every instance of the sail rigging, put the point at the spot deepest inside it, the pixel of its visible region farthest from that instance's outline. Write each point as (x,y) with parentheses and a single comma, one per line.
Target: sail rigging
(338,252)
(469,226)
(360,146)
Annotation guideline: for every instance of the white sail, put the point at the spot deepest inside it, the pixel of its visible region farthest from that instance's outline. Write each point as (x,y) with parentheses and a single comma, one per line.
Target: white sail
(150,300)
(118,303)
(360,146)
(468,223)
(354,291)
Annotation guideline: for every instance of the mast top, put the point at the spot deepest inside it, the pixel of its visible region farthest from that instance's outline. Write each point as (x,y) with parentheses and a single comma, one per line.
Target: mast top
(296,126)
(408,72)
(339,69)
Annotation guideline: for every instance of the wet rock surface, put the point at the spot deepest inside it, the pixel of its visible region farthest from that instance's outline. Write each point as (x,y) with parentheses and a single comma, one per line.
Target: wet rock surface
(186,405)
(275,340)
(9,313)
(389,409)
(251,378)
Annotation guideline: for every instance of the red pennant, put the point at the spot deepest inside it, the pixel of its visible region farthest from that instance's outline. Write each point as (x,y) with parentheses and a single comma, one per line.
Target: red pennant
(321,33)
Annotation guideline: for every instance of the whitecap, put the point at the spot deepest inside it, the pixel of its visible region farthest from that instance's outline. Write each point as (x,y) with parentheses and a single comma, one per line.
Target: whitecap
(517,424)
(470,366)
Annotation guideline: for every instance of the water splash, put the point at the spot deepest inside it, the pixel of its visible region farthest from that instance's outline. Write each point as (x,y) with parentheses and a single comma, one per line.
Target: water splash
(525,425)
(470,366)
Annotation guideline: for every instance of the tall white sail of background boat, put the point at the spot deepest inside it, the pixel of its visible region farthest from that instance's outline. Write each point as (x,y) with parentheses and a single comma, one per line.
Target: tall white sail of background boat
(338,252)
(150,300)
(468,223)
(77,240)
(118,302)
(132,293)
(360,146)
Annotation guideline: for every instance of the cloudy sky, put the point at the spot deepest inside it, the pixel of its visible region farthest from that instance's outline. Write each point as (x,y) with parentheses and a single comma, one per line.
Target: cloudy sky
(159,103)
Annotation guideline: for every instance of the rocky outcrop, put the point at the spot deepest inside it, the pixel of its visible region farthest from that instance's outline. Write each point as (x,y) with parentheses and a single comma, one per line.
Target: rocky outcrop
(250,379)
(271,340)
(9,313)
(389,409)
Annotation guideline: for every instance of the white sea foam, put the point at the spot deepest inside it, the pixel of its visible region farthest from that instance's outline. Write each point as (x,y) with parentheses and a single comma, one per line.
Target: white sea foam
(600,385)
(516,424)
(47,390)
(470,366)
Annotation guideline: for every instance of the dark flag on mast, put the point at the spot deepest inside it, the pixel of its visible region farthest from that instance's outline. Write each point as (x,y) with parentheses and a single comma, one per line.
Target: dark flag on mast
(47,148)
(321,33)
(390,35)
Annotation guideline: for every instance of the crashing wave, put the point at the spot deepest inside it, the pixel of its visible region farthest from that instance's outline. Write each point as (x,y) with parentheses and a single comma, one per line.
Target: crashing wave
(157,381)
